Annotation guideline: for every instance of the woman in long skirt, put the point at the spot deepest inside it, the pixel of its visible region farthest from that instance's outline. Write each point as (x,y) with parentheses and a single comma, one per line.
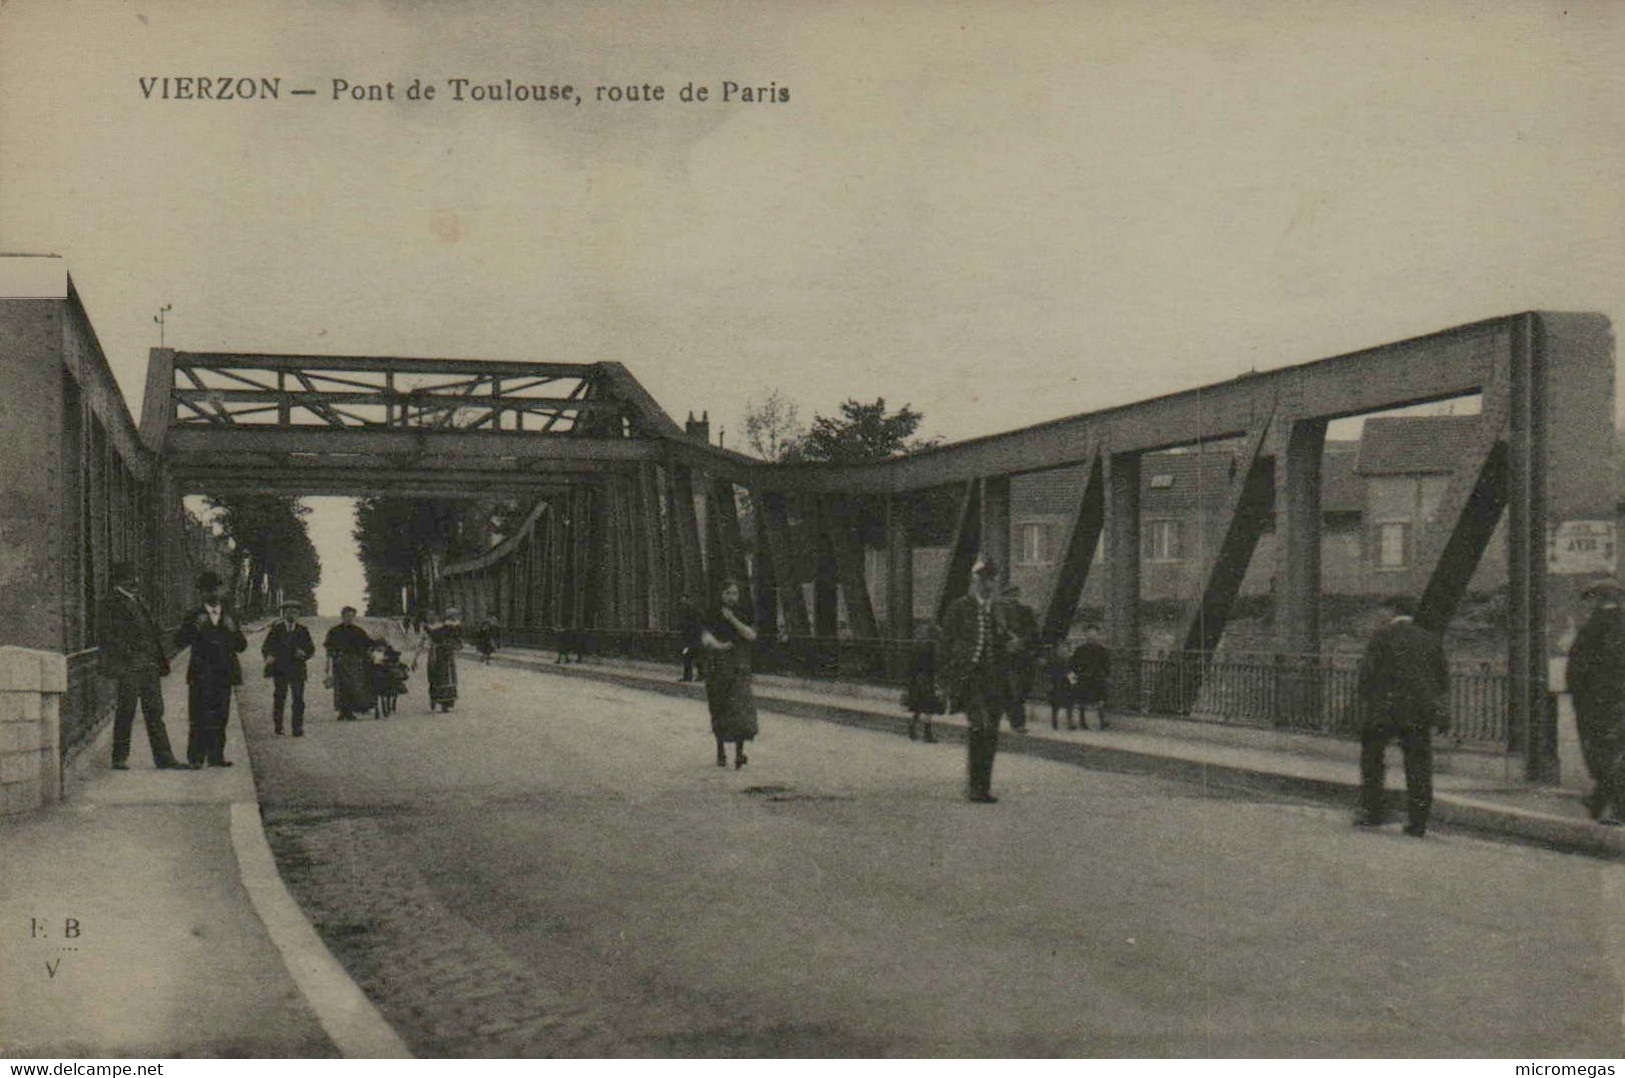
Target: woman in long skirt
(921,697)
(349,666)
(727,637)
(485,639)
(444,637)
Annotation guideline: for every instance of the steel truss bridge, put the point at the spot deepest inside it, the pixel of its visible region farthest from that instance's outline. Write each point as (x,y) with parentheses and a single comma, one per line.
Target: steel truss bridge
(634,512)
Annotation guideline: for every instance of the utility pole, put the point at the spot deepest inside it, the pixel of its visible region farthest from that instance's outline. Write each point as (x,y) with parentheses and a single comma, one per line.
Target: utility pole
(159,318)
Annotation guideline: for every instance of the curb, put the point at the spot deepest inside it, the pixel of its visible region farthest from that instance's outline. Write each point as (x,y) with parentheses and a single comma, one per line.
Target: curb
(1481,818)
(346,1015)
(350,1020)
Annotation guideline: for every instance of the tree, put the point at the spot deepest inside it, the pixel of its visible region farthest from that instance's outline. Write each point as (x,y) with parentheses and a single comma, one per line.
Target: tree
(404,541)
(271,553)
(401,541)
(862,433)
(773,426)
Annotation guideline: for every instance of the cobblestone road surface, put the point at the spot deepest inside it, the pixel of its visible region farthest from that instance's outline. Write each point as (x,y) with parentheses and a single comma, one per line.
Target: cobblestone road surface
(558,868)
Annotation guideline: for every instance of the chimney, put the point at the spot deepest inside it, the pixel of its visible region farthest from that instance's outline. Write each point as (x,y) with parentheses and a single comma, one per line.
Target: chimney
(699,428)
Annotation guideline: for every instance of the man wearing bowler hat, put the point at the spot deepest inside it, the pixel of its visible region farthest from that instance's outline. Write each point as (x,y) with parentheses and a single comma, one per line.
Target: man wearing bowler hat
(212,632)
(1404,683)
(286,648)
(1596,680)
(132,654)
(974,657)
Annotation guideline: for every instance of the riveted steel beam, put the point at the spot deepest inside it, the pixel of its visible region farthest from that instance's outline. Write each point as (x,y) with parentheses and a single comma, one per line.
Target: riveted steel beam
(1084,528)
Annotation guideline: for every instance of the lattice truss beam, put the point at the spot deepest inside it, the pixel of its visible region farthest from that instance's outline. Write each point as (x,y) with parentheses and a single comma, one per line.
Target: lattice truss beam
(283,392)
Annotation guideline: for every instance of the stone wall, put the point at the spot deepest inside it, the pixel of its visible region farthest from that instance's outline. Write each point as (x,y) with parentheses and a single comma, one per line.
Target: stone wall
(32,684)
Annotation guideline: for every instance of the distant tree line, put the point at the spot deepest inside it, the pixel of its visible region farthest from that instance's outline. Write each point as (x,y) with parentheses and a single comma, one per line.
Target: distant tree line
(270,555)
(403,542)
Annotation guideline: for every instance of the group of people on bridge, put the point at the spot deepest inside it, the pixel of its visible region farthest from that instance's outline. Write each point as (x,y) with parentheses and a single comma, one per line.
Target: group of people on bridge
(366,672)
(981,661)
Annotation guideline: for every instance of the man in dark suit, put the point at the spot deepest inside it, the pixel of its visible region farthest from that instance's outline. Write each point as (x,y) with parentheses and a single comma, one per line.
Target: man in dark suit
(287,645)
(972,656)
(1596,680)
(132,654)
(1023,656)
(215,639)
(1404,683)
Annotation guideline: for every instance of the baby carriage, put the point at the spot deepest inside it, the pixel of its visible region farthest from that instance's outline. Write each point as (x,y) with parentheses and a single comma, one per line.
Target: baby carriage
(388,679)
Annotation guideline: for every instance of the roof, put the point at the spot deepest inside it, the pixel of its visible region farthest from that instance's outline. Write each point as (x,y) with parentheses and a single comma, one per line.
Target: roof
(1415,445)
(1184,480)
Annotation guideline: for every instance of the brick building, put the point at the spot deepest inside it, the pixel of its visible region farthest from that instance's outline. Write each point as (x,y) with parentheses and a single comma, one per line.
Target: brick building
(1380,496)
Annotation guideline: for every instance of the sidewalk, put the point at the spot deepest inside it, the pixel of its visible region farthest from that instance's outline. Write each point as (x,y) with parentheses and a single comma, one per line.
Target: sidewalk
(143,917)
(1472,792)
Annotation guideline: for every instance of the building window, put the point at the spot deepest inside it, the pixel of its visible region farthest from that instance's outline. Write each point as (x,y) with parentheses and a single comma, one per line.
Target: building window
(1162,540)
(1037,545)
(1162,482)
(1393,545)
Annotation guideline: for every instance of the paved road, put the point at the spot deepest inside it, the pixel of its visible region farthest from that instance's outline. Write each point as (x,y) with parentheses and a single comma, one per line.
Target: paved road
(558,868)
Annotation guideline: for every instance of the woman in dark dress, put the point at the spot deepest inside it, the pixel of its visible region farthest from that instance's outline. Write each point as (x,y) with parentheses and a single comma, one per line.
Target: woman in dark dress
(727,637)
(444,638)
(920,697)
(1063,686)
(349,666)
(1092,671)
(485,639)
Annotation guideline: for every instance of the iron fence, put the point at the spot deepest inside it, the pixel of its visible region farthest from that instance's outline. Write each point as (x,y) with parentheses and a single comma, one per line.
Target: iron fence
(839,658)
(1298,693)
(86,705)
(1301,693)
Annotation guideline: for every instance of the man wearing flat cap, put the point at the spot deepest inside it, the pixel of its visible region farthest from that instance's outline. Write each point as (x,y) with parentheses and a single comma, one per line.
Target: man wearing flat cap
(973,654)
(286,648)
(1596,680)
(214,636)
(1404,685)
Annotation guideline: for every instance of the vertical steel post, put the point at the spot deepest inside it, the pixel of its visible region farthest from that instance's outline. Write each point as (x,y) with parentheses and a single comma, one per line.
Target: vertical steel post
(1123,578)
(996,523)
(899,567)
(1298,496)
(1526,556)
(826,575)
(899,579)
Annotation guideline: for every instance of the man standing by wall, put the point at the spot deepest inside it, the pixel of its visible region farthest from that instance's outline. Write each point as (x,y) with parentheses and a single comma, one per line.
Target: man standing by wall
(1596,680)
(974,649)
(215,639)
(287,645)
(132,654)
(1404,685)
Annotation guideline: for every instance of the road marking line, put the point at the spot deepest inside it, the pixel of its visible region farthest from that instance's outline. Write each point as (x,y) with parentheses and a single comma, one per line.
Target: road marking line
(345,1013)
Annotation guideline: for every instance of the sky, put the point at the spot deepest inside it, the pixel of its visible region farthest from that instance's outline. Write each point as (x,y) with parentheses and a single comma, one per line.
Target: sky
(999,213)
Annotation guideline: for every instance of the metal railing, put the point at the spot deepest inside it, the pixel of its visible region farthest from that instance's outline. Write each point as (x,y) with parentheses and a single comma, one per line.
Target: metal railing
(86,705)
(1301,693)
(1297,693)
(838,658)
